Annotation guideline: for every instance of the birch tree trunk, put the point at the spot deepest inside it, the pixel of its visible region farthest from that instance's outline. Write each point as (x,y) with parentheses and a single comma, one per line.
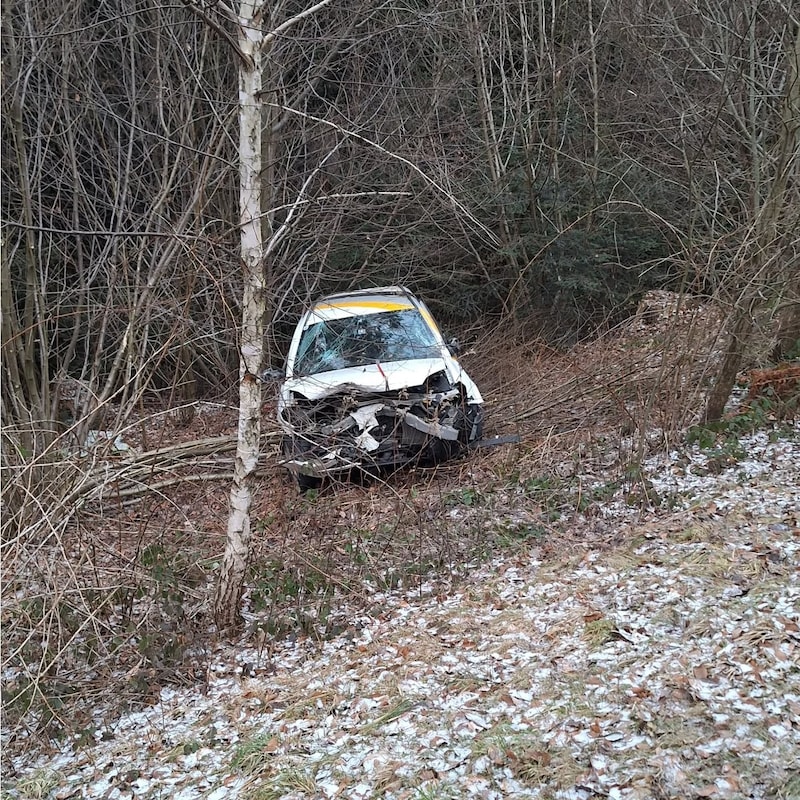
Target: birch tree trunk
(251,336)
(253,44)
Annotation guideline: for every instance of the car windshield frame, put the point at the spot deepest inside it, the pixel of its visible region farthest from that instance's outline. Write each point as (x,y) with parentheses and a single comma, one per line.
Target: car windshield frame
(360,339)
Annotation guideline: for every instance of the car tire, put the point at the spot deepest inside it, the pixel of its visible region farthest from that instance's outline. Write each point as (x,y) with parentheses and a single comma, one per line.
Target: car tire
(305,483)
(468,420)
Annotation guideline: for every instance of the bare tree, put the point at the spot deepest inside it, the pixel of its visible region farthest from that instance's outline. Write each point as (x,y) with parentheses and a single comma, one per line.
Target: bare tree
(115,167)
(760,76)
(722,86)
(261,120)
(251,46)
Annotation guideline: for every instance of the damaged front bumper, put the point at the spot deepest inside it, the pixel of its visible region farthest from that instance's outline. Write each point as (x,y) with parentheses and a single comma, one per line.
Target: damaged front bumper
(379,434)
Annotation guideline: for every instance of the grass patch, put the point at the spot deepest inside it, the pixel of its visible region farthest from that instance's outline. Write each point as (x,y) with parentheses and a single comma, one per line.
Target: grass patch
(508,534)
(308,704)
(705,563)
(39,785)
(598,632)
(468,496)
(291,779)
(673,732)
(784,787)
(465,683)
(395,712)
(529,758)
(436,791)
(255,755)
(183,749)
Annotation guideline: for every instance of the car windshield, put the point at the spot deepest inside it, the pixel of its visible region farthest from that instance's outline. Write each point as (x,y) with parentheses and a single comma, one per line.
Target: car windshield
(354,341)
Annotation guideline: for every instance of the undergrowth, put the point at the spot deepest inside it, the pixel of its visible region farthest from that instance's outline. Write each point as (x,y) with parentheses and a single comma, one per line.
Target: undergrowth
(85,606)
(762,413)
(102,589)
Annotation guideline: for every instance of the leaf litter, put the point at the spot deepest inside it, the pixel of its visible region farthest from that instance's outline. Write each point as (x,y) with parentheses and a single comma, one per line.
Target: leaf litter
(666,665)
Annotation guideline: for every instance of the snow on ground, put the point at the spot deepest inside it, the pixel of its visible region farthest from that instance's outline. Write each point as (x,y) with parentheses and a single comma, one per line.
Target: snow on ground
(667,666)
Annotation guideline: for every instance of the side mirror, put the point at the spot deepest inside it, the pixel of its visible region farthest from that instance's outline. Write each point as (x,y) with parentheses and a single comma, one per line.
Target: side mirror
(271,375)
(453,345)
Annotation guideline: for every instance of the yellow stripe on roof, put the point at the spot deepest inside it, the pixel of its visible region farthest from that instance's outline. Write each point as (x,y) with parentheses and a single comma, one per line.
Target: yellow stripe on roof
(383,305)
(429,319)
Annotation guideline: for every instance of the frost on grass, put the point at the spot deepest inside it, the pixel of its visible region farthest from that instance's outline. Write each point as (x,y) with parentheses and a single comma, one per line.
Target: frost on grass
(666,666)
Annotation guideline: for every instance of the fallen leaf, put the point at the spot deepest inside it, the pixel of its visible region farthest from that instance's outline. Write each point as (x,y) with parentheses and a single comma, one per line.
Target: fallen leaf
(541,757)
(707,791)
(779,654)
(496,756)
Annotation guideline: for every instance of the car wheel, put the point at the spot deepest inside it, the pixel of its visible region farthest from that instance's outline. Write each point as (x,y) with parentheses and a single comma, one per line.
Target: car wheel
(304,482)
(468,421)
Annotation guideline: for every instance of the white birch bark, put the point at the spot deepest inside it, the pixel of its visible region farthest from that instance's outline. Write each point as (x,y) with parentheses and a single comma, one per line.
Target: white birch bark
(251,341)
(253,43)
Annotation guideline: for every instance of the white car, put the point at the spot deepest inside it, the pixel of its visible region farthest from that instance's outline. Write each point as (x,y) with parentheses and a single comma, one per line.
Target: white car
(370,383)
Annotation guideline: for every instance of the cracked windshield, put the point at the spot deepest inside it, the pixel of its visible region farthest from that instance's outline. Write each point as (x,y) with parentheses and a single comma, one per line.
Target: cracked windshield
(354,341)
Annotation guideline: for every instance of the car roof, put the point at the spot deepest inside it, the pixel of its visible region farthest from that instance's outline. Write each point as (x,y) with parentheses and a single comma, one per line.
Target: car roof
(391,291)
(390,295)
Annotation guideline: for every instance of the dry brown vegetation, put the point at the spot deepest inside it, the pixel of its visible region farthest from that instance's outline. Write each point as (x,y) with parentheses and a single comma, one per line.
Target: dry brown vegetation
(780,384)
(538,165)
(109,554)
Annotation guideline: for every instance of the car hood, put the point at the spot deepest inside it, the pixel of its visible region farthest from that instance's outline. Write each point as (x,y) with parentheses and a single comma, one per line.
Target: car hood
(389,377)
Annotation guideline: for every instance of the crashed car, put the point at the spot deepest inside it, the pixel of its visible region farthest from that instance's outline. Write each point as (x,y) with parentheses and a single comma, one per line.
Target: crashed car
(371,384)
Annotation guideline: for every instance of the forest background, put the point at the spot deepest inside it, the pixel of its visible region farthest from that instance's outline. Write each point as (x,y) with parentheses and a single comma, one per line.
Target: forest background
(530,168)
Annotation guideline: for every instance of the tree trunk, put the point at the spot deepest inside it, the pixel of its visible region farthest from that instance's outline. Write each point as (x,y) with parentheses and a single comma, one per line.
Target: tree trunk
(252,45)
(251,342)
(726,377)
(767,218)
(788,328)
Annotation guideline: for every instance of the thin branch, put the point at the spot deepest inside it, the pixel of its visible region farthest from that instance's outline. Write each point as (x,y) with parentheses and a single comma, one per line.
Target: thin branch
(77,232)
(336,196)
(284,26)
(214,25)
(278,236)
(490,236)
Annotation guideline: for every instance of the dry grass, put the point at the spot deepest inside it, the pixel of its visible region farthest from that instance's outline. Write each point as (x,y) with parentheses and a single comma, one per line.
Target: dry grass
(108,560)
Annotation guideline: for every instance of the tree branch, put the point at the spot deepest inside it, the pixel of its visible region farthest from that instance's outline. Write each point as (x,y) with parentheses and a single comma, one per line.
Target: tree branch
(284,26)
(457,204)
(214,25)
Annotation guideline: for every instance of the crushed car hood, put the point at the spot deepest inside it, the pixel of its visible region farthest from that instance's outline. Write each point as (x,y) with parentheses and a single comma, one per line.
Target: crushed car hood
(390,377)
